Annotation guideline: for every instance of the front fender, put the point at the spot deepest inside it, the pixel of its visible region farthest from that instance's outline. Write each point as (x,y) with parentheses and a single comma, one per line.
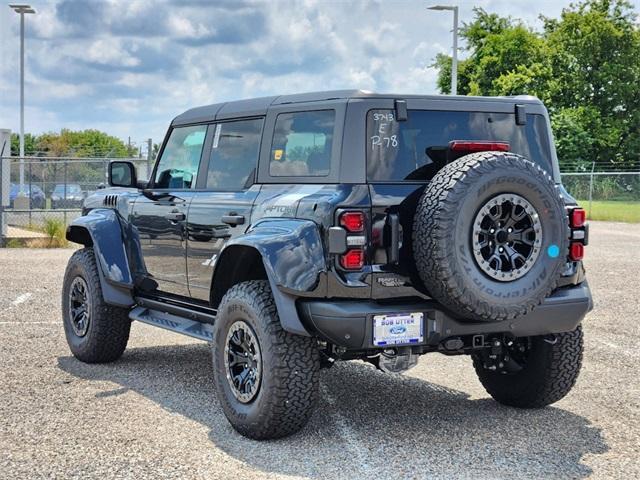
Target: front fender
(293,258)
(101,229)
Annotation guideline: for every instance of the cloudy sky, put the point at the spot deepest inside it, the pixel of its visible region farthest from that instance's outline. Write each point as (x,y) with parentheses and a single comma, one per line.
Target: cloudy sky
(128,67)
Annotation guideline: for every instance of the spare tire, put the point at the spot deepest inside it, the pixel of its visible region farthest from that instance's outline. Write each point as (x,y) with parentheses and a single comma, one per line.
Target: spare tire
(490,236)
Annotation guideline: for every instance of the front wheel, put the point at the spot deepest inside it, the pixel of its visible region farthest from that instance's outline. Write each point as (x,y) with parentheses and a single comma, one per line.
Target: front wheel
(534,372)
(96,332)
(266,378)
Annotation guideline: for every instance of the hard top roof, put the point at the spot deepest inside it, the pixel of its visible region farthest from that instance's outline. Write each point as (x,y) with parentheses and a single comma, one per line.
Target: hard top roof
(259,106)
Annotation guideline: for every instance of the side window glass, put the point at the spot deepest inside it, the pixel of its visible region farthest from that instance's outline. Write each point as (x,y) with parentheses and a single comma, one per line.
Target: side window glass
(178,166)
(234,154)
(302,143)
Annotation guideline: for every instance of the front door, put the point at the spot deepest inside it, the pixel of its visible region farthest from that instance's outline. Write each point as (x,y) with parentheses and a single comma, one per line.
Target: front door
(160,216)
(223,210)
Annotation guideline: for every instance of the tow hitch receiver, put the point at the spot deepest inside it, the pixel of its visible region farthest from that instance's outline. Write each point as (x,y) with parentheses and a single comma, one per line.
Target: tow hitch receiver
(396,360)
(505,355)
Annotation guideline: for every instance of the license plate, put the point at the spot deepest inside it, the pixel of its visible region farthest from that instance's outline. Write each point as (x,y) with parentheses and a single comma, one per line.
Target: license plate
(397,329)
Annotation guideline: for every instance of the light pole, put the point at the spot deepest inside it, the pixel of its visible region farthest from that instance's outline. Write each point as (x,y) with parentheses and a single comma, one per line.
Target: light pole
(22,9)
(454,61)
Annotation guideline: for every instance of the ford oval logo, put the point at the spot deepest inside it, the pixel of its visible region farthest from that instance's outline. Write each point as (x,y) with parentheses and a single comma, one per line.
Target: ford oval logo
(398,330)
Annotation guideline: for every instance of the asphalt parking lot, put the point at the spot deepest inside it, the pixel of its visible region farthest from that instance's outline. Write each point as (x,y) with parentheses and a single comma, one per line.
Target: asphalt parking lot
(153,414)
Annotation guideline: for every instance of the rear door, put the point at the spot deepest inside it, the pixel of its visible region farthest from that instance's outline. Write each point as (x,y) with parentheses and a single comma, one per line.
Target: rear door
(222,210)
(160,216)
(402,156)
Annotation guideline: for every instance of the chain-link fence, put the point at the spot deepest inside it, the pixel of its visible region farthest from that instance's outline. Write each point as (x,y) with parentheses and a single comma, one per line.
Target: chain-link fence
(602,182)
(35,191)
(604,186)
(604,193)
(38,190)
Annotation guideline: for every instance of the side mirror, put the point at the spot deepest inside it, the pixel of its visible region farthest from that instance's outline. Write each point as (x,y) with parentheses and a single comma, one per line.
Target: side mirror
(122,174)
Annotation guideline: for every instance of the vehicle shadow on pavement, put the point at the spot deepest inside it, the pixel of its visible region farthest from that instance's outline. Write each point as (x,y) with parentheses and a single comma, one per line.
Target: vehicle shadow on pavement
(367,423)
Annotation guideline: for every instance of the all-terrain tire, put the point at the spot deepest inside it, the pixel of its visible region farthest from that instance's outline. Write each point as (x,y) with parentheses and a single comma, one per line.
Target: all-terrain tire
(549,374)
(108,327)
(288,388)
(442,236)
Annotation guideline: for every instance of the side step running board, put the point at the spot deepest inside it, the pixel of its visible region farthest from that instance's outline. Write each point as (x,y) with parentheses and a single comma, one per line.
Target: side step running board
(191,328)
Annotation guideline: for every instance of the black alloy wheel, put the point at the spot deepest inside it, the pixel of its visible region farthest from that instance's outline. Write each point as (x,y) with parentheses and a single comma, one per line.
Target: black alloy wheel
(79,306)
(243,361)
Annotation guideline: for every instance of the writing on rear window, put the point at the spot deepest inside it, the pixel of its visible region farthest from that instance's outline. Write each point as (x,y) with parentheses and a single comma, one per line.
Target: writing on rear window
(384,128)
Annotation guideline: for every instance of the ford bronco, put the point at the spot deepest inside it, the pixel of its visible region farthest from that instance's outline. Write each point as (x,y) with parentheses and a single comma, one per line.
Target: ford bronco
(295,231)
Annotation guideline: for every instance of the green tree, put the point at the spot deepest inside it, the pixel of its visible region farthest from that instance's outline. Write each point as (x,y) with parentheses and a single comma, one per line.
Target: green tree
(85,143)
(443,64)
(30,144)
(68,143)
(505,58)
(584,66)
(596,66)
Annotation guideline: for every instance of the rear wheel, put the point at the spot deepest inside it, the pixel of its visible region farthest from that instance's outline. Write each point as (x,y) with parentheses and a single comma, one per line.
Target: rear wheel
(266,378)
(96,332)
(533,372)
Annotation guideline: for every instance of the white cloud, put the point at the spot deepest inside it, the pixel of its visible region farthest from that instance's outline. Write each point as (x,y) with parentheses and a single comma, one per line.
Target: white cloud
(129,66)
(184,27)
(110,51)
(416,80)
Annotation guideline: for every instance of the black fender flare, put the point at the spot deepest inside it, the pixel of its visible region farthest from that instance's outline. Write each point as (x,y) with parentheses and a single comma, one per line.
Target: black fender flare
(293,257)
(102,230)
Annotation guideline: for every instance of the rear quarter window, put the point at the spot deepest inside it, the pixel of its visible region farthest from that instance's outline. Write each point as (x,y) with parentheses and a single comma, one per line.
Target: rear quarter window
(302,144)
(417,148)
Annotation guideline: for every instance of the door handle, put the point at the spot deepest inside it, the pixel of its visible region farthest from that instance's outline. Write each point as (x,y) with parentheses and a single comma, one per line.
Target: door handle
(175,216)
(233,219)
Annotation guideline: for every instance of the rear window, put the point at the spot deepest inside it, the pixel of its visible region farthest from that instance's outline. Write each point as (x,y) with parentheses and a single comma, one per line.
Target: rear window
(417,148)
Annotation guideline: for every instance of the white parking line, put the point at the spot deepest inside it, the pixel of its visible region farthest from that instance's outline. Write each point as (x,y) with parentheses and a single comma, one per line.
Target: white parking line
(22,298)
(30,323)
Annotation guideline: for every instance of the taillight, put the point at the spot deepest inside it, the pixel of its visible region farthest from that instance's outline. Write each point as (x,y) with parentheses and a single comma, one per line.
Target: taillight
(578,218)
(353,259)
(353,222)
(576,251)
(579,233)
(478,146)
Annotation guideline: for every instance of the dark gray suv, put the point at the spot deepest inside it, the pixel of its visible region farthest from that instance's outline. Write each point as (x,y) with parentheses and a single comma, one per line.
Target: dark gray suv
(292,232)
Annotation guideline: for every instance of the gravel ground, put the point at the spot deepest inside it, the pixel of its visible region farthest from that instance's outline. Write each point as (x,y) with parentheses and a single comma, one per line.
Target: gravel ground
(154,414)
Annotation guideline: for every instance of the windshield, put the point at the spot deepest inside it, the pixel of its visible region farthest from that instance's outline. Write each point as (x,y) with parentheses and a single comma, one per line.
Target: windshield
(417,148)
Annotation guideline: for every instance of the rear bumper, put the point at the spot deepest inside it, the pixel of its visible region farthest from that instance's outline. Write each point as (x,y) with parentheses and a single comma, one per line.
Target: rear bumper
(349,323)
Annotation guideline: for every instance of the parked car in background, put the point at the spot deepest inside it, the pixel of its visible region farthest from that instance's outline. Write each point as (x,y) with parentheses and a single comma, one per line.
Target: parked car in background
(67,196)
(33,192)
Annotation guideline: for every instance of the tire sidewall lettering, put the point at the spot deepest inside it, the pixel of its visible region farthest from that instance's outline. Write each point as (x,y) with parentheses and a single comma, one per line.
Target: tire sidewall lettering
(480,284)
(464,200)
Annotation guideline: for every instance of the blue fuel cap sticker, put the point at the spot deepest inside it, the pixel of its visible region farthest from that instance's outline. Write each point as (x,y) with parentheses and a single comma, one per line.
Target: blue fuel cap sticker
(553,251)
